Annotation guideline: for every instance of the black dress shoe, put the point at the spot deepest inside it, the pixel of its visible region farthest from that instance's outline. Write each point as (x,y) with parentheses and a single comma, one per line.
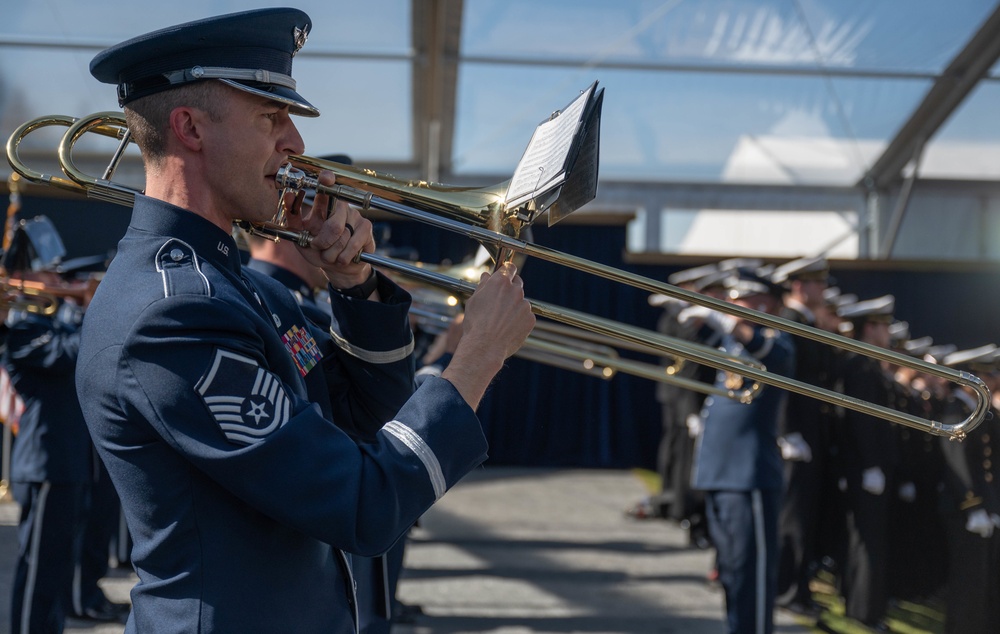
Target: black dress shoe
(803,608)
(406,614)
(106,612)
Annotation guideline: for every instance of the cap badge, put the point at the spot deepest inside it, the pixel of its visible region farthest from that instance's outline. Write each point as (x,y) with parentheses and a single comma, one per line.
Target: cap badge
(300,36)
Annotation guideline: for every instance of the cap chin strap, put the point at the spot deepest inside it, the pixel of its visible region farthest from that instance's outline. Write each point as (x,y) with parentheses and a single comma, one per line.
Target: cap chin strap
(132,89)
(238,74)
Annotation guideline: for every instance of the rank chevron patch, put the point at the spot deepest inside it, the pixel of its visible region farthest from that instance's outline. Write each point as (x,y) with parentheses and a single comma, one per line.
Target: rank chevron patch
(247,401)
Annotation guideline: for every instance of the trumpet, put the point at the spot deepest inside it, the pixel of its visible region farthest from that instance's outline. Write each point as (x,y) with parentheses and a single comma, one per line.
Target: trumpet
(480,214)
(27,298)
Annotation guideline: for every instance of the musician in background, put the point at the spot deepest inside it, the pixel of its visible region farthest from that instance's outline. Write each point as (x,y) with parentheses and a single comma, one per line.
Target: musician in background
(53,463)
(671,463)
(804,436)
(738,464)
(676,500)
(868,456)
(917,549)
(971,502)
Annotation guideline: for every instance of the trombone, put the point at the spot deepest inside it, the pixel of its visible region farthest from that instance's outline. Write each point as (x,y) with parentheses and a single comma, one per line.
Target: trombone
(480,214)
(354,188)
(113,125)
(580,351)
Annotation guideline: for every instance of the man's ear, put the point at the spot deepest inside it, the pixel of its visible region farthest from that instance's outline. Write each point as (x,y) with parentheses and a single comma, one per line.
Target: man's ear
(185,124)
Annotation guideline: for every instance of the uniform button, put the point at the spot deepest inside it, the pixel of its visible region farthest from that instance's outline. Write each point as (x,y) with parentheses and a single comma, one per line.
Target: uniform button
(987,451)
(176,255)
(986,437)
(988,477)
(987,464)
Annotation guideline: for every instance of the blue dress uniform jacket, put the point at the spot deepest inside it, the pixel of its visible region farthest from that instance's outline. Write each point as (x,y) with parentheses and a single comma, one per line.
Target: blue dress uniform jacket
(738,448)
(50,465)
(239,493)
(52,444)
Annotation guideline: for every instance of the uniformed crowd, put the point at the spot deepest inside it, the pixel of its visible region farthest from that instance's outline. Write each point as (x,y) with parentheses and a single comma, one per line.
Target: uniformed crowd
(891,512)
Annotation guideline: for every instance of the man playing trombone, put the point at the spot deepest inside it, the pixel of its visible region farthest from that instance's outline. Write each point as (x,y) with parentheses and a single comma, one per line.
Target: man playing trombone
(199,377)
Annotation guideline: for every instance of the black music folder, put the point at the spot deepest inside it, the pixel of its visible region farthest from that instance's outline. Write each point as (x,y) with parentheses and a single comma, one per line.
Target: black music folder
(558,170)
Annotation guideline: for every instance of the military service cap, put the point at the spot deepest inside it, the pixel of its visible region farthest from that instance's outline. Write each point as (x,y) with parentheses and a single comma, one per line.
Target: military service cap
(746,283)
(937,354)
(978,359)
(918,347)
(34,246)
(251,51)
(899,332)
(879,309)
(716,280)
(802,269)
(692,275)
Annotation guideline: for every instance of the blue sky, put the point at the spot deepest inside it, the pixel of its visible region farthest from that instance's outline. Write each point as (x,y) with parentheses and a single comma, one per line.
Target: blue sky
(678,104)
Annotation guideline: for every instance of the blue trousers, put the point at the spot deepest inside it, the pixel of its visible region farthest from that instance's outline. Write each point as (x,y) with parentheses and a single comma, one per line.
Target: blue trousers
(743,526)
(50,515)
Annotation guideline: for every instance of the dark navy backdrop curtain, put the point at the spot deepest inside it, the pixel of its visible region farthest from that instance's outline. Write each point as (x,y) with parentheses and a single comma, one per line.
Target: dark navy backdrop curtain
(535,414)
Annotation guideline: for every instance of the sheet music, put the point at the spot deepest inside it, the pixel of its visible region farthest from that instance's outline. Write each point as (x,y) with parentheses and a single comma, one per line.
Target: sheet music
(543,164)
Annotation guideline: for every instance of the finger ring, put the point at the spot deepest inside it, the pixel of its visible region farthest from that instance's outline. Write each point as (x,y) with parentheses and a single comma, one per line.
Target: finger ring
(348,226)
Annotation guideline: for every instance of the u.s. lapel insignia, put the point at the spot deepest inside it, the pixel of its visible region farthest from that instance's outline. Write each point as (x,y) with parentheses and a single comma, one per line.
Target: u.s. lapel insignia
(300,344)
(300,36)
(246,401)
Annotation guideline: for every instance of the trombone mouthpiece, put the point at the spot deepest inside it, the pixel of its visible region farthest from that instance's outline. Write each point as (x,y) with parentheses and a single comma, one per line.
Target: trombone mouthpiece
(288,177)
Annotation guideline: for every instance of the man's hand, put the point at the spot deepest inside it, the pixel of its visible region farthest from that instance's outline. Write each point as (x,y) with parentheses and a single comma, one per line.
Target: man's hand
(340,233)
(497,321)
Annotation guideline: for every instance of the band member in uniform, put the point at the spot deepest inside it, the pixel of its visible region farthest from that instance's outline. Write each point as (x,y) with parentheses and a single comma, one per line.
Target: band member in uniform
(804,438)
(917,550)
(868,454)
(738,465)
(675,404)
(243,497)
(971,503)
(52,462)
(681,408)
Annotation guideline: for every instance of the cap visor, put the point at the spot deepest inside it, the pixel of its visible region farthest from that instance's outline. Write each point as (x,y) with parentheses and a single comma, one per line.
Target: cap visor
(296,104)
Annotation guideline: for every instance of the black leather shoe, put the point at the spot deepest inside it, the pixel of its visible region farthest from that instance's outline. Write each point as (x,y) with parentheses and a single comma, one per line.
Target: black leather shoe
(106,612)
(803,608)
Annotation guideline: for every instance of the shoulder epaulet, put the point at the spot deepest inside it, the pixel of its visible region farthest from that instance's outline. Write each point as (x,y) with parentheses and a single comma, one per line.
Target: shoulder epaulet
(178,265)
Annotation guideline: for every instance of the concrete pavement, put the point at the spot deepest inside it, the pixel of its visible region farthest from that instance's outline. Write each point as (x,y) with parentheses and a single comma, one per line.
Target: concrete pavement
(513,551)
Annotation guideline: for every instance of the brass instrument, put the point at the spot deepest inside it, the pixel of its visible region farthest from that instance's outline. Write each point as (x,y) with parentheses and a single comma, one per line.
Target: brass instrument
(14,296)
(574,349)
(480,214)
(489,213)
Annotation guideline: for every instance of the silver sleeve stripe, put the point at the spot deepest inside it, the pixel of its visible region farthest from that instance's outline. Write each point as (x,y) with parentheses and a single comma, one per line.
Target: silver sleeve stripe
(372,356)
(417,445)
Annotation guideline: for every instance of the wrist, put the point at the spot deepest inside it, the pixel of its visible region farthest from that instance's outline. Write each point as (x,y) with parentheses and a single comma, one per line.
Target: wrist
(362,290)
